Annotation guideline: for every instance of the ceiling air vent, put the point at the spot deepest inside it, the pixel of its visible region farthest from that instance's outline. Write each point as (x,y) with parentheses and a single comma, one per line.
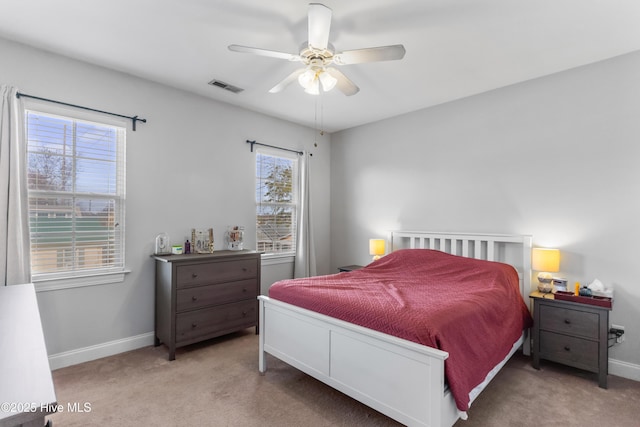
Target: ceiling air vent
(225,86)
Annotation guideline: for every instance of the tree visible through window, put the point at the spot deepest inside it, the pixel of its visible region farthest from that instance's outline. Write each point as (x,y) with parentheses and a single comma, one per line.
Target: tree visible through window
(76,196)
(276,203)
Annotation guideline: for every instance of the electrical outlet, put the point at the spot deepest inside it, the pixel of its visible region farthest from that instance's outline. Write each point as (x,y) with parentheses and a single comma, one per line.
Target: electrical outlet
(619,338)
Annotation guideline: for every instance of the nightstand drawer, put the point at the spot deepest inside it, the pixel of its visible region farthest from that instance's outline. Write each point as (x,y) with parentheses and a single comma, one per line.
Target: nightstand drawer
(571,351)
(568,321)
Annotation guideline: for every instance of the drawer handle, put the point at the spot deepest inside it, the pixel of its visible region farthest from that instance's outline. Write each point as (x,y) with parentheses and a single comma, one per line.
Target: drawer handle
(567,321)
(194,275)
(567,348)
(244,289)
(194,325)
(244,313)
(244,268)
(194,298)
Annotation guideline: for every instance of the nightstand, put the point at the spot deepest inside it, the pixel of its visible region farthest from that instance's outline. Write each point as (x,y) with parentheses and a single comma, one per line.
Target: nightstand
(349,268)
(571,333)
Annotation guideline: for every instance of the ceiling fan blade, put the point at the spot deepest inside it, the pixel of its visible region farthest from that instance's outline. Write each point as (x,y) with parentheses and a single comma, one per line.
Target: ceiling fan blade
(287,81)
(319,26)
(344,85)
(264,52)
(372,54)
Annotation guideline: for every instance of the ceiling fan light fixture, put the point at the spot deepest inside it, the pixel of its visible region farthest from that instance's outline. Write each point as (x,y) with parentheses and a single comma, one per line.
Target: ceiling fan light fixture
(313,77)
(327,80)
(313,88)
(307,78)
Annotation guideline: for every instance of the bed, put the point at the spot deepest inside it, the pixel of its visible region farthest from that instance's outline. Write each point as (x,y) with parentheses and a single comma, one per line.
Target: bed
(399,376)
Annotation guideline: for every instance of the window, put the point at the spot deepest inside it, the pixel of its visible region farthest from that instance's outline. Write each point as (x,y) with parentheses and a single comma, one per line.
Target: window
(76,188)
(276,203)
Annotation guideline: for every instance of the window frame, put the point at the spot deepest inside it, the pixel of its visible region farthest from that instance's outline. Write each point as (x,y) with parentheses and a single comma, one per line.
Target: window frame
(275,257)
(99,276)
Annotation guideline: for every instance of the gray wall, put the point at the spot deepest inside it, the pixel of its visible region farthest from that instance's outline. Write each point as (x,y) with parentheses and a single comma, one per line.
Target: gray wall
(555,157)
(189,166)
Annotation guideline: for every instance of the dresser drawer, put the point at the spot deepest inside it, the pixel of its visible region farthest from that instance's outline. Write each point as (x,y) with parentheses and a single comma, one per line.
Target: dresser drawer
(571,351)
(221,293)
(215,272)
(219,319)
(568,321)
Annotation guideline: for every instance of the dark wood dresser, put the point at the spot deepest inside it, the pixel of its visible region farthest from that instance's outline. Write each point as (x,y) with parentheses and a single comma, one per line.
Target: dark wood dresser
(202,296)
(571,333)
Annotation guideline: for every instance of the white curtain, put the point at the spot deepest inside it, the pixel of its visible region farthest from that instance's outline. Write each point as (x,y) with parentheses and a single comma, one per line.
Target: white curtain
(305,265)
(15,258)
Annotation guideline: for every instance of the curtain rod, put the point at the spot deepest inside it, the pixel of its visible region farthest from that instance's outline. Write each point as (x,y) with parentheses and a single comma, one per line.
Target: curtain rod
(133,119)
(300,153)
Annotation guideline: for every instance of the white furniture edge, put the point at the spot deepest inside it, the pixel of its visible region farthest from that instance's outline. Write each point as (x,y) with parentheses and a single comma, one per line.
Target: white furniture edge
(398,378)
(27,393)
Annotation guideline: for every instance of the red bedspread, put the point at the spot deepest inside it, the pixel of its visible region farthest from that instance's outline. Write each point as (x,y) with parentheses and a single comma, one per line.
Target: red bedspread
(470,308)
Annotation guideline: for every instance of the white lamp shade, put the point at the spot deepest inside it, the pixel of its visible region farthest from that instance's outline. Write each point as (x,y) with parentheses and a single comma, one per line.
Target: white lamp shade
(546,260)
(376,247)
(327,80)
(307,78)
(314,88)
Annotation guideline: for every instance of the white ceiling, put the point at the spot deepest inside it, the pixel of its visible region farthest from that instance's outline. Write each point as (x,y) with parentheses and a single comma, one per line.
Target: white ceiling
(455,48)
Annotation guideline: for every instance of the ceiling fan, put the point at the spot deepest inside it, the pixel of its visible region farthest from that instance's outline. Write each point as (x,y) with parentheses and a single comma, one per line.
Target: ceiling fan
(317,54)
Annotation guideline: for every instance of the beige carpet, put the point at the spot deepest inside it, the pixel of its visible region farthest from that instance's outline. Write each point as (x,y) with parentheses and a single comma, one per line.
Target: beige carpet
(216,383)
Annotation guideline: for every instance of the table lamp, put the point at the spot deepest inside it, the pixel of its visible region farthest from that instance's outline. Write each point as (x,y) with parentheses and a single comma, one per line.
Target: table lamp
(546,261)
(376,248)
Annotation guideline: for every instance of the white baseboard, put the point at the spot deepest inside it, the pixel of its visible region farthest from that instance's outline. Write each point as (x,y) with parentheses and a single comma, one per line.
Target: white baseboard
(56,361)
(73,357)
(624,369)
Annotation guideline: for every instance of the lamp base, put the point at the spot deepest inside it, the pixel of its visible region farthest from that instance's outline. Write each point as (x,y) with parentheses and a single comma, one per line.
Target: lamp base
(376,257)
(545,284)
(545,288)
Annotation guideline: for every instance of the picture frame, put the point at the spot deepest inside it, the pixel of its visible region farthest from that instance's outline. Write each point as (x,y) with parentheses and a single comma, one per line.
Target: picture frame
(202,240)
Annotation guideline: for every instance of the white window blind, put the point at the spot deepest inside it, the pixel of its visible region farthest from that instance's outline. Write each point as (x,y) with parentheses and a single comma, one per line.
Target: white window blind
(276,203)
(76,182)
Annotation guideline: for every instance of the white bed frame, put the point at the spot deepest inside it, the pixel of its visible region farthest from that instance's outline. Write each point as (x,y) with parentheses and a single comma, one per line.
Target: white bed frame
(402,379)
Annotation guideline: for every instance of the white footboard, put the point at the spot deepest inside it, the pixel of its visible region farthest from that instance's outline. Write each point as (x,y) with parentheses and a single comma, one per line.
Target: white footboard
(398,378)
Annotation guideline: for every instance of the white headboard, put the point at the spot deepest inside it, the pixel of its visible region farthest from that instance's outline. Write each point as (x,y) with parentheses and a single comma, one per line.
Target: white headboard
(508,248)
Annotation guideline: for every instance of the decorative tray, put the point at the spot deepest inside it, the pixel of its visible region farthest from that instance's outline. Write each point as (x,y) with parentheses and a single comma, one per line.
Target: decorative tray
(592,300)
